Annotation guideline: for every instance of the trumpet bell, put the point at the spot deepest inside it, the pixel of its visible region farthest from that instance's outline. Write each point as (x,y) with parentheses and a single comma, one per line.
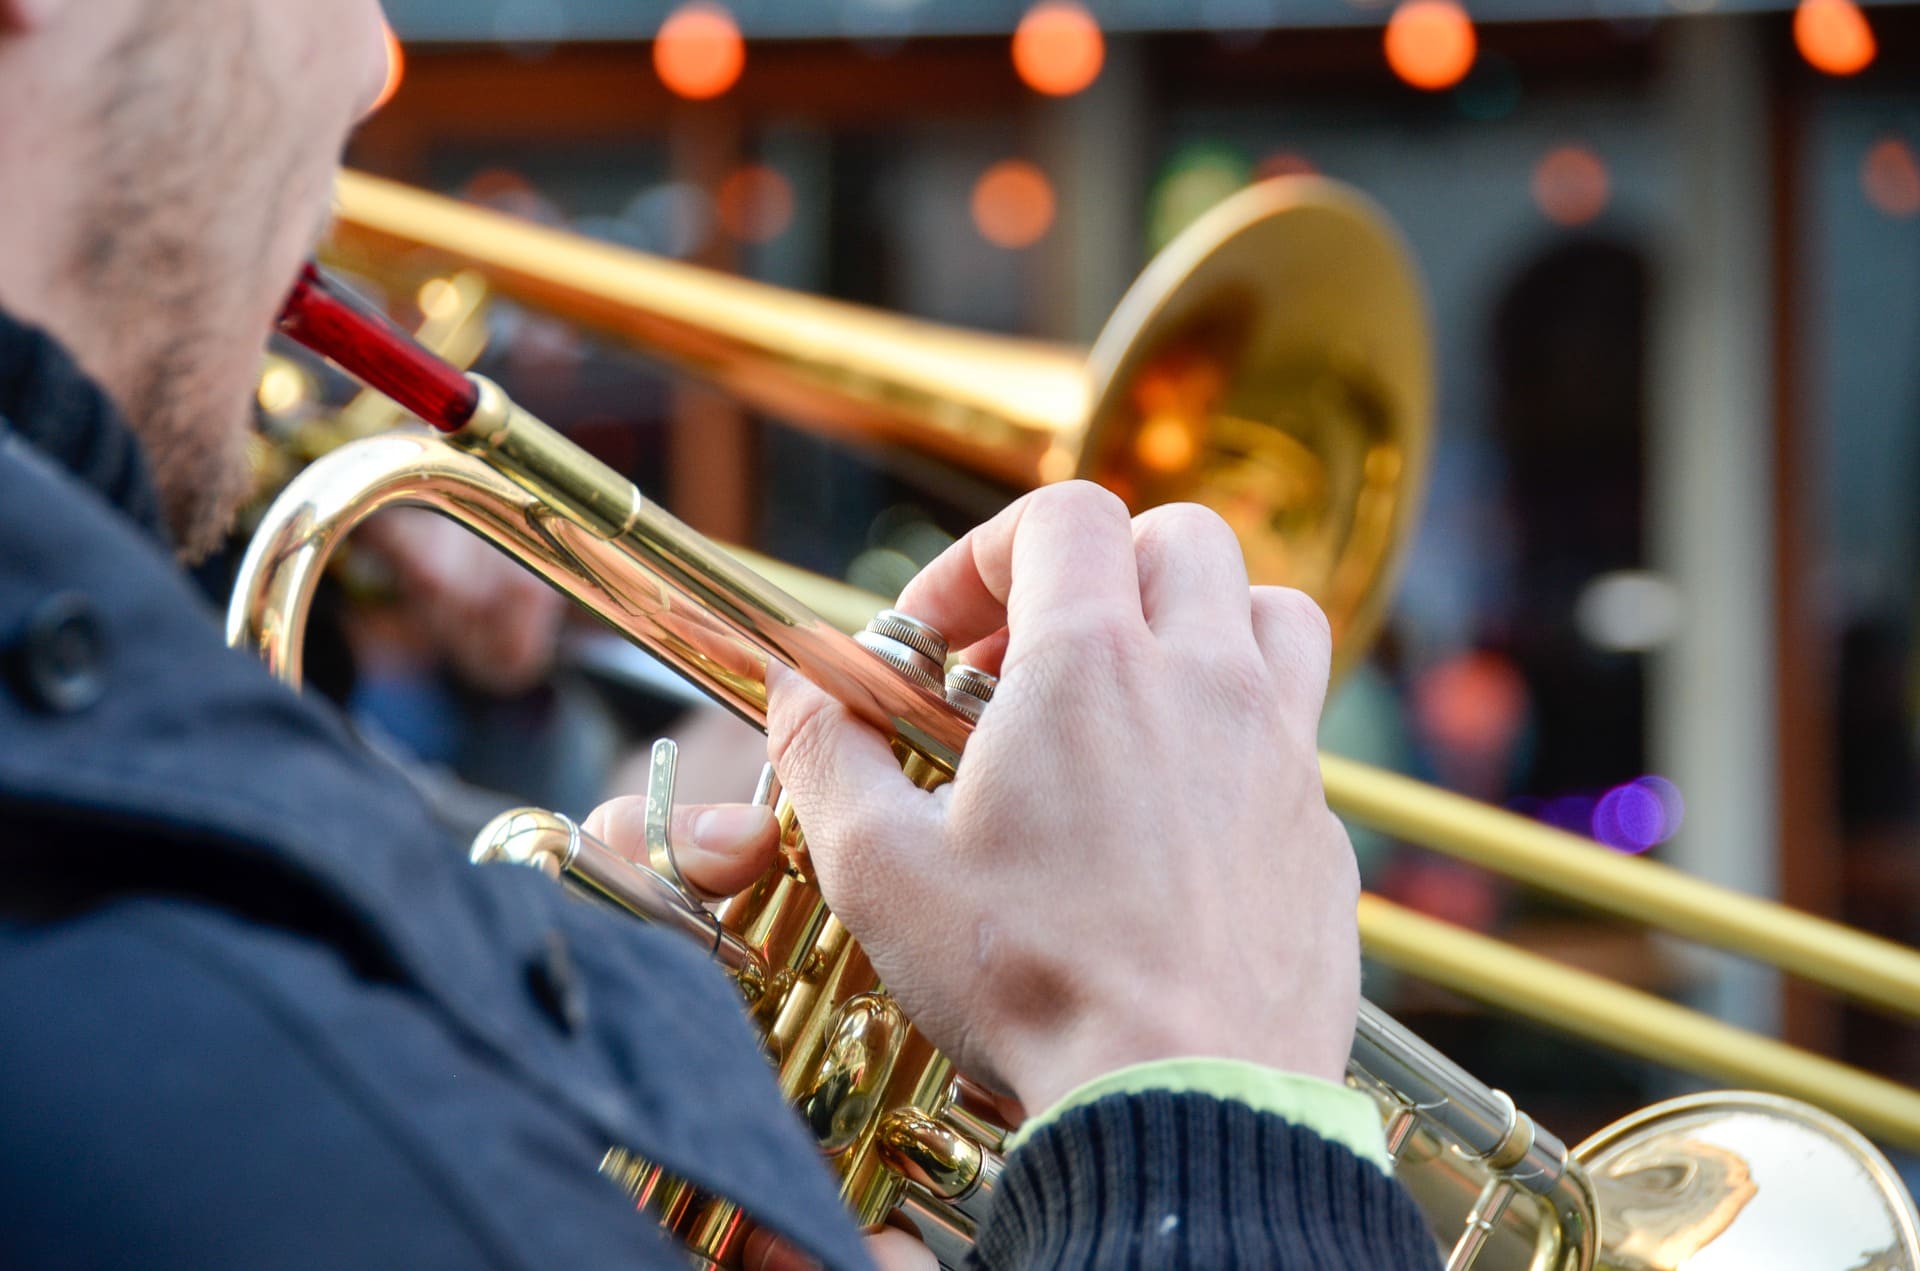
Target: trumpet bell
(1714,1182)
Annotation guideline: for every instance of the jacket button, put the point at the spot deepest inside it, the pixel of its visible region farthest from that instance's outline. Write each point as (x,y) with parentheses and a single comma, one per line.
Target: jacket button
(555,985)
(59,660)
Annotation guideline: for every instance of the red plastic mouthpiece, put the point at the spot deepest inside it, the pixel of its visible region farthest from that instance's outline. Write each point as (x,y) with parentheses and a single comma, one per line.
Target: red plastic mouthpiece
(369,347)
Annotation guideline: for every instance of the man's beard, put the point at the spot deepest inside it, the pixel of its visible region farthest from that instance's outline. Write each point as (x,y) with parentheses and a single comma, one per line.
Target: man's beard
(195,440)
(166,252)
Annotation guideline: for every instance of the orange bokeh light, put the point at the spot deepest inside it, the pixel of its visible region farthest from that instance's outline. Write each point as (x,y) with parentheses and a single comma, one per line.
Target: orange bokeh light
(755,203)
(1284,163)
(1058,48)
(1833,36)
(1890,175)
(1013,204)
(396,70)
(699,53)
(1431,43)
(1166,443)
(1570,185)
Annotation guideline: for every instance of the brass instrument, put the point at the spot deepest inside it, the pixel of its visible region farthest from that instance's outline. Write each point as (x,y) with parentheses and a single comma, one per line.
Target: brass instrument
(1303,424)
(1651,1192)
(1338,321)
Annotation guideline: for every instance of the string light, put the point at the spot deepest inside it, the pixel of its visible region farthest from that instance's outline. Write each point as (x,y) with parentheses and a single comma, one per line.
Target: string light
(1013,204)
(1570,185)
(699,53)
(755,203)
(1058,48)
(1431,43)
(1833,36)
(1890,175)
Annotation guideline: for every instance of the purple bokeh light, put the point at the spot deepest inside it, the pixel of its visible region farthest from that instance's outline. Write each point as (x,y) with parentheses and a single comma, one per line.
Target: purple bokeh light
(1638,815)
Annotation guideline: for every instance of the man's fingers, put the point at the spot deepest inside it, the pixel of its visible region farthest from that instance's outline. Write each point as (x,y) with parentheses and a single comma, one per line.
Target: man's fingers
(720,848)
(1193,577)
(1070,548)
(844,781)
(890,1250)
(985,654)
(768,1252)
(1294,639)
(898,1251)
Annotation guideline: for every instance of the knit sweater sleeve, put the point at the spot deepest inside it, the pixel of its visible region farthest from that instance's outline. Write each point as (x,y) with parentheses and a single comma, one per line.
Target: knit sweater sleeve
(1163,1179)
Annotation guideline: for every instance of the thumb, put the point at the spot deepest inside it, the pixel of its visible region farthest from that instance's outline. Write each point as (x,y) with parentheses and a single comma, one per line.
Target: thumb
(720,848)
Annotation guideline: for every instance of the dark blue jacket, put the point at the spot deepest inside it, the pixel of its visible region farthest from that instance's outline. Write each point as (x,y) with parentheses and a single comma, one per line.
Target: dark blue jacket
(256,1010)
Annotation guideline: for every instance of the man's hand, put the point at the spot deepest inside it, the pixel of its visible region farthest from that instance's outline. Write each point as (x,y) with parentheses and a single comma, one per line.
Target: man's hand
(1135,860)
(720,848)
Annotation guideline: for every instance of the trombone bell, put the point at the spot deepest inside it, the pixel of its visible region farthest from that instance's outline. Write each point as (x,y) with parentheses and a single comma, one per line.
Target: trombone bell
(1272,363)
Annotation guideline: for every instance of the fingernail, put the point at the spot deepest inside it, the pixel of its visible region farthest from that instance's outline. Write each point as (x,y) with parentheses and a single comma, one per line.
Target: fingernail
(723,828)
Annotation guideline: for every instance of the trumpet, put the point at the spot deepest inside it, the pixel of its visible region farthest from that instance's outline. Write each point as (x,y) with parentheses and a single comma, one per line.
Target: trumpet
(894,1121)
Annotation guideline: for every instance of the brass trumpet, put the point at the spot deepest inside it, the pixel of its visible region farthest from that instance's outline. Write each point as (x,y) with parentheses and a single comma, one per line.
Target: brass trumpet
(1652,1192)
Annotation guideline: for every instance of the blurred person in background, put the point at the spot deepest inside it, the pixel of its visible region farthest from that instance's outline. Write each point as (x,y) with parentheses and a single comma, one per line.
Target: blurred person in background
(255,1009)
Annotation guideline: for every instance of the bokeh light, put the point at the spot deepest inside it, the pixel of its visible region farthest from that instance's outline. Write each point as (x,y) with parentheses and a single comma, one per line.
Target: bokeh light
(1284,163)
(1058,48)
(1570,185)
(1197,177)
(1890,176)
(678,217)
(1638,815)
(1628,611)
(1474,703)
(1166,443)
(1431,43)
(1013,204)
(699,53)
(1833,36)
(284,387)
(755,203)
(505,190)
(396,70)
(438,299)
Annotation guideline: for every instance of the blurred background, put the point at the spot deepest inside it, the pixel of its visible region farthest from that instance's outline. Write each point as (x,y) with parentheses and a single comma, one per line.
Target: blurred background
(1665,583)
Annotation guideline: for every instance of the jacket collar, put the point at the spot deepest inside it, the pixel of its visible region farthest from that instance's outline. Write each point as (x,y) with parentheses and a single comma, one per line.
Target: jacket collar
(47,399)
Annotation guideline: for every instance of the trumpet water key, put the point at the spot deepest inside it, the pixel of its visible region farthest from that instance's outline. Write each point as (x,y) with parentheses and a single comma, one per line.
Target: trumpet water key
(1707,1182)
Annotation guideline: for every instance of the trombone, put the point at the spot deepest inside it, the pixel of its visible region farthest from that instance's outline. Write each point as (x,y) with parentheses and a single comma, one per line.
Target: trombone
(1176,400)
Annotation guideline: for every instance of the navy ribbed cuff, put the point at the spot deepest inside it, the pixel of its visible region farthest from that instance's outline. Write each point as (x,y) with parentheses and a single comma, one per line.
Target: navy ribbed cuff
(1159,1179)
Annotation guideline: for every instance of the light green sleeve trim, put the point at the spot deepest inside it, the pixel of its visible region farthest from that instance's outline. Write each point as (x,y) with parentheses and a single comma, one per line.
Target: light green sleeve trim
(1332,1111)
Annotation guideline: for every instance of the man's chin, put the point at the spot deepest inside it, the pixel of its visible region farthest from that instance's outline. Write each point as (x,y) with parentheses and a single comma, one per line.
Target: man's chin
(204,512)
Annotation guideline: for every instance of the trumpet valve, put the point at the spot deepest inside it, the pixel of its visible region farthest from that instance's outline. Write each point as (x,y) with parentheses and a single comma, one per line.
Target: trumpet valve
(969,689)
(908,645)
